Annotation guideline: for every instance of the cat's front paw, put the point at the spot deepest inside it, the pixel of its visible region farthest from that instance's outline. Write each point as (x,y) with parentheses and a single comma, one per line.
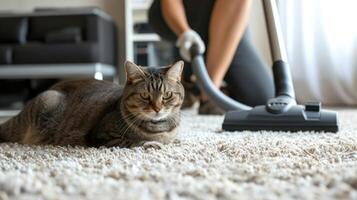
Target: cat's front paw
(153,144)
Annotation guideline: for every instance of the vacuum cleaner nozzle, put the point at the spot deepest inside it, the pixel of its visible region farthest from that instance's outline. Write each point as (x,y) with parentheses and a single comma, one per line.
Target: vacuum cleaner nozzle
(296,118)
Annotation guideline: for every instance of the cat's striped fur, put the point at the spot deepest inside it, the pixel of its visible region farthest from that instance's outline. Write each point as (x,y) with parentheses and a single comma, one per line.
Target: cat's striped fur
(96,113)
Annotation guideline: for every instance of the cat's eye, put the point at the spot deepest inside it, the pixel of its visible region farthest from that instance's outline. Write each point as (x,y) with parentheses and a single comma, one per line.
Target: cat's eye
(145,95)
(167,95)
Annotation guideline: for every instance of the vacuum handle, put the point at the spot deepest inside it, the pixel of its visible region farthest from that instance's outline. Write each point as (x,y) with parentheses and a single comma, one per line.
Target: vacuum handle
(194,51)
(277,47)
(281,70)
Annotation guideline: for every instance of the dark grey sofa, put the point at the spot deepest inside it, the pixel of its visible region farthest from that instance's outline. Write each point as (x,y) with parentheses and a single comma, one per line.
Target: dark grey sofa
(54,44)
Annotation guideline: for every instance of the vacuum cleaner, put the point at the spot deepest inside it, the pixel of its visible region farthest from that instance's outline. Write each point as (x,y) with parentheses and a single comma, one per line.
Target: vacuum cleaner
(280,113)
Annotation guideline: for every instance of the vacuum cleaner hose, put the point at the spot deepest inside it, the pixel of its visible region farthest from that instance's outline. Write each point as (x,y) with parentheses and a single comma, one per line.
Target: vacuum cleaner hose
(205,84)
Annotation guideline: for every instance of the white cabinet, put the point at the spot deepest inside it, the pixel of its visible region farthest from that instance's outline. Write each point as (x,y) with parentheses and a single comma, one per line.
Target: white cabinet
(134,11)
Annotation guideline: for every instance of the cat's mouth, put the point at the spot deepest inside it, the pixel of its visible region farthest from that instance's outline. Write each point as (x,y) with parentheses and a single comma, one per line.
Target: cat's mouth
(155,126)
(154,121)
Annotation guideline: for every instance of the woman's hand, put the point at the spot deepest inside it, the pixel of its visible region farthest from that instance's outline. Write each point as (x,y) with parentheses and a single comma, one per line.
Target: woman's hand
(185,42)
(174,14)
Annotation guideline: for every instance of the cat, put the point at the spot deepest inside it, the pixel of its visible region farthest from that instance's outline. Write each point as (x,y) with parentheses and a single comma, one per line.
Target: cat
(100,113)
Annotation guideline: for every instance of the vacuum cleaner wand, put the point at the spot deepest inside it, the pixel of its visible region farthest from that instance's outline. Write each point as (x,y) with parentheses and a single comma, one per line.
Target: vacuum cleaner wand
(281,70)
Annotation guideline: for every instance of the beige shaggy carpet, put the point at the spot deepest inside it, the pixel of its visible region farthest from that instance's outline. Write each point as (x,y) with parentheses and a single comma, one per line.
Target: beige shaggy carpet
(202,163)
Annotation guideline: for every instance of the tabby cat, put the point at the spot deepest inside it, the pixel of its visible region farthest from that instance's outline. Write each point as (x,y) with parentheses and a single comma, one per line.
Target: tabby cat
(99,113)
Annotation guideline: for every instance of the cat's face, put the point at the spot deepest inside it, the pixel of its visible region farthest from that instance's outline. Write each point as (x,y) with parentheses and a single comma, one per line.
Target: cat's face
(153,94)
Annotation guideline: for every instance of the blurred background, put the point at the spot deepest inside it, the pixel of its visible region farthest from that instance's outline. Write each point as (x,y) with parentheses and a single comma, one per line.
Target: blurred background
(44,41)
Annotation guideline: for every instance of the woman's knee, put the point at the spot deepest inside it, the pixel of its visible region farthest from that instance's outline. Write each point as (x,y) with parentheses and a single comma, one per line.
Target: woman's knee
(248,77)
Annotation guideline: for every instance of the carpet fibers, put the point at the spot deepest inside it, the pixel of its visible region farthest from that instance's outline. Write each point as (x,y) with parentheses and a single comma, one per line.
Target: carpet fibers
(202,163)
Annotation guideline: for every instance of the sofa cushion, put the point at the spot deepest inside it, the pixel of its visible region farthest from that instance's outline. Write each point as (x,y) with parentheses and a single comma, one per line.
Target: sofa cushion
(13,30)
(5,55)
(42,26)
(66,35)
(39,53)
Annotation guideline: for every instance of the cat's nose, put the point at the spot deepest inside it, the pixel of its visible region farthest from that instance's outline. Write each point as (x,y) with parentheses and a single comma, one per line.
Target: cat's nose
(156,109)
(156,106)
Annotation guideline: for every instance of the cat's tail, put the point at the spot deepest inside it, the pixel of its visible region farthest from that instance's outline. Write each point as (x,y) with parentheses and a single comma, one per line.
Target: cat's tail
(9,129)
(2,131)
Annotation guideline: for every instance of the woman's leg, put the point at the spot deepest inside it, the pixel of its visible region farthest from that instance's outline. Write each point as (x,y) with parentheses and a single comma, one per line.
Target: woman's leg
(227,25)
(248,78)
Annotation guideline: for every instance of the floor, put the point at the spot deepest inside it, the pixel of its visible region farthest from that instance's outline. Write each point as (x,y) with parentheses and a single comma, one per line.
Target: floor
(202,163)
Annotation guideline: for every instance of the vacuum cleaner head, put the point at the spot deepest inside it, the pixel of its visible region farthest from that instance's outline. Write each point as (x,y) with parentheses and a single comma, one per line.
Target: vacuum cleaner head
(296,118)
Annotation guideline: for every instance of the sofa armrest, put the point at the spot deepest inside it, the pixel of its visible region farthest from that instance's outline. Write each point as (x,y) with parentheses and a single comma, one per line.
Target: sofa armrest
(5,55)
(103,31)
(13,30)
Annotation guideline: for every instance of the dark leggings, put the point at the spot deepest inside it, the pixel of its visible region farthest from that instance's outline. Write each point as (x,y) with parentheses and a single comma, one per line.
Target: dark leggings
(248,79)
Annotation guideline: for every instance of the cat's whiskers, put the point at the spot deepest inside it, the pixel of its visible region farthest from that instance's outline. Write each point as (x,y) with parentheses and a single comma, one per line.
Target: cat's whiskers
(129,126)
(125,121)
(173,121)
(120,140)
(128,117)
(122,123)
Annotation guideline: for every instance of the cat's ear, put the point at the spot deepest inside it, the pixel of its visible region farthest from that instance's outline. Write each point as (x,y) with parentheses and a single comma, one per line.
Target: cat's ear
(175,71)
(133,72)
